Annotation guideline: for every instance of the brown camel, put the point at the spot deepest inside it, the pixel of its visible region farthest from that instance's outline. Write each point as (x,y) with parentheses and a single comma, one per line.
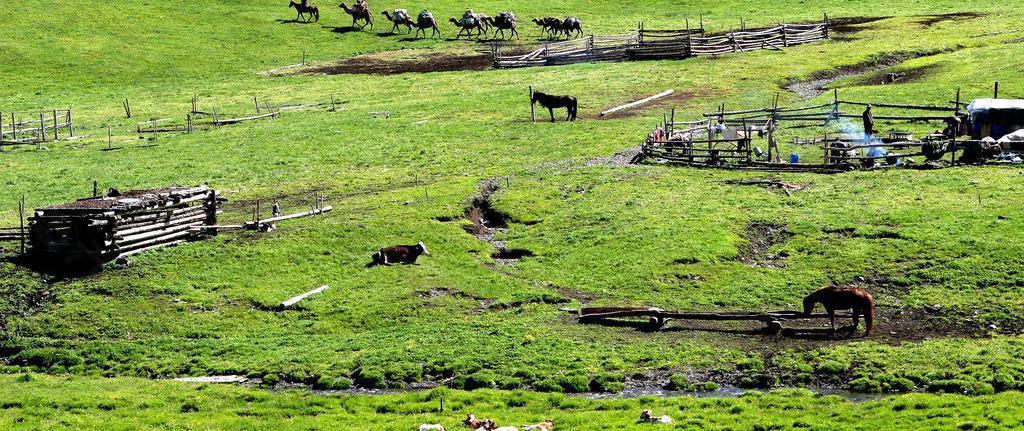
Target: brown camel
(549,25)
(359,14)
(504,21)
(467,26)
(400,17)
(424,21)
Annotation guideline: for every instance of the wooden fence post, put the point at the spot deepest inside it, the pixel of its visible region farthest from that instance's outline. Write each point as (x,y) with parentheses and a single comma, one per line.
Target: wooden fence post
(71,124)
(995,91)
(21,223)
(55,127)
(255,102)
(127,108)
(110,139)
(1,130)
(824,22)
(14,127)
(785,41)
(533,111)
(42,126)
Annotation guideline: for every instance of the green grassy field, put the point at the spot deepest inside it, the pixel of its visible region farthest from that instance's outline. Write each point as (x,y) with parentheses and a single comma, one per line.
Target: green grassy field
(937,248)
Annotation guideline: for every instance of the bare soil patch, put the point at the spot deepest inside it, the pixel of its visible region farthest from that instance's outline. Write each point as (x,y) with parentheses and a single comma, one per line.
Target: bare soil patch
(930,20)
(378,65)
(761,237)
(854,24)
(903,76)
(817,83)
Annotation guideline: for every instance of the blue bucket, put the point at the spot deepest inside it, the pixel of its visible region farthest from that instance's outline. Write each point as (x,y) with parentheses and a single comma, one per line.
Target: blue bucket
(794,158)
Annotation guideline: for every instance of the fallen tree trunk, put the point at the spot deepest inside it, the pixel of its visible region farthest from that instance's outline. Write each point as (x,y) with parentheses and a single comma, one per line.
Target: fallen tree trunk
(638,102)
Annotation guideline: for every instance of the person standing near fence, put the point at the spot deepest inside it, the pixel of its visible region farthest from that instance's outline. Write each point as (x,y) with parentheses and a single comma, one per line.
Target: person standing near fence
(773,144)
(869,123)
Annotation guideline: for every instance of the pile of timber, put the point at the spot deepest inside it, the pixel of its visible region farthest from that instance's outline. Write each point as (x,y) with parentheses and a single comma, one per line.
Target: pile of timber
(95,230)
(647,44)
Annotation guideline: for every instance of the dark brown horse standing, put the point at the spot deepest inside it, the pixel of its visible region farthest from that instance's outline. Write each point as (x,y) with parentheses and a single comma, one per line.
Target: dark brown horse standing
(843,298)
(552,102)
(305,8)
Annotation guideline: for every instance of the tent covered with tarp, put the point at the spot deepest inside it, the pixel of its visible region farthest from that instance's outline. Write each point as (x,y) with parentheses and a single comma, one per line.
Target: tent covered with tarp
(995,117)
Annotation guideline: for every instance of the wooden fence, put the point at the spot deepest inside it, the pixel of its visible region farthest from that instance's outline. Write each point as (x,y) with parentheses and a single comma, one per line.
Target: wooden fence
(21,128)
(647,44)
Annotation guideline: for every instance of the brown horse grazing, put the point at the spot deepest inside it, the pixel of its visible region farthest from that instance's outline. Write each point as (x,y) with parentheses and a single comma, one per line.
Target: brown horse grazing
(551,102)
(305,8)
(360,12)
(843,298)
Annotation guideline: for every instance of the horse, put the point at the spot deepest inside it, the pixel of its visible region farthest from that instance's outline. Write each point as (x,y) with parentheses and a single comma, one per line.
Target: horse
(303,8)
(843,298)
(551,102)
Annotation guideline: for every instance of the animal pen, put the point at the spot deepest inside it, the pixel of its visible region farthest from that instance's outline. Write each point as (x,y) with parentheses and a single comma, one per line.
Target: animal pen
(21,128)
(724,138)
(100,229)
(647,44)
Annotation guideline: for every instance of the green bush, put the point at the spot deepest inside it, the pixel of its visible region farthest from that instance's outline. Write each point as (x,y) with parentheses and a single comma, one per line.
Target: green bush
(333,383)
(370,378)
(271,379)
(574,383)
(832,367)
(866,385)
(47,357)
(678,382)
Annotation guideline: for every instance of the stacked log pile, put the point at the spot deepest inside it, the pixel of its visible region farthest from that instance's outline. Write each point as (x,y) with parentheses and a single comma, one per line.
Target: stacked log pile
(101,229)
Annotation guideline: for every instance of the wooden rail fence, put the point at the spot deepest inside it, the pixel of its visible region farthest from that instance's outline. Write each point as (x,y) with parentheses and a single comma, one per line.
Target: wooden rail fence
(645,44)
(21,128)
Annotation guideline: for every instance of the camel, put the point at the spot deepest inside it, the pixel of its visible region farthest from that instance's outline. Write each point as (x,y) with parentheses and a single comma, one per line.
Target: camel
(305,8)
(400,17)
(359,14)
(467,26)
(504,21)
(572,25)
(549,25)
(424,21)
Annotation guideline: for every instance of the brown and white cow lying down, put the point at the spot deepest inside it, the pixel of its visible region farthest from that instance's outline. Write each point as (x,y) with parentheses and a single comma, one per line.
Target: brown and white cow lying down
(648,417)
(404,254)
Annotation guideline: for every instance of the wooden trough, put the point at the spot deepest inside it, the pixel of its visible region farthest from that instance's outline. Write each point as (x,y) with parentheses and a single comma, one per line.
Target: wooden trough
(657,317)
(91,231)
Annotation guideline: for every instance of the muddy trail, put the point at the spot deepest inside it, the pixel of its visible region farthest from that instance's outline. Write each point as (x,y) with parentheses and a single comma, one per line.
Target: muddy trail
(377,65)
(818,83)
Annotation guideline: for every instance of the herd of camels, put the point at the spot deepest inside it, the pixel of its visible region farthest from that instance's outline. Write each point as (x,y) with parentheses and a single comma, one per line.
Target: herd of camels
(471,24)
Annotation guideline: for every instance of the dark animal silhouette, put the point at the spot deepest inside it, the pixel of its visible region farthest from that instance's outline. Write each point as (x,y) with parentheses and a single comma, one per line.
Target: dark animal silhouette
(424,21)
(359,13)
(304,9)
(503,21)
(549,25)
(404,254)
(467,25)
(400,17)
(843,298)
(552,102)
(572,27)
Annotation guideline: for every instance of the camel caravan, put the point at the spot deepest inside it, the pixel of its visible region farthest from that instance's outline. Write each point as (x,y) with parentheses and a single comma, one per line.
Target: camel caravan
(472,24)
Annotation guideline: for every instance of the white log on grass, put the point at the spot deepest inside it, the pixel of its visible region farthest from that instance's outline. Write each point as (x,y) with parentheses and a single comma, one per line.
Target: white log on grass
(638,102)
(296,299)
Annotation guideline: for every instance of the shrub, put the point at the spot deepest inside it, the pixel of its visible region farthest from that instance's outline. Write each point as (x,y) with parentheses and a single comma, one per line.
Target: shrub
(332,383)
(370,378)
(574,383)
(866,385)
(189,407)
(832,367)
(678,382)
(47,357)
(271,379)
(607,382)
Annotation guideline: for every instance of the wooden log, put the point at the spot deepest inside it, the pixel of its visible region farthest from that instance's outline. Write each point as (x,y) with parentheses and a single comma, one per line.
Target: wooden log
(174,236)
(292,301)
(901,106)
(239,120)
(157,233)
(638,102)
(291,216)
(126,233)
